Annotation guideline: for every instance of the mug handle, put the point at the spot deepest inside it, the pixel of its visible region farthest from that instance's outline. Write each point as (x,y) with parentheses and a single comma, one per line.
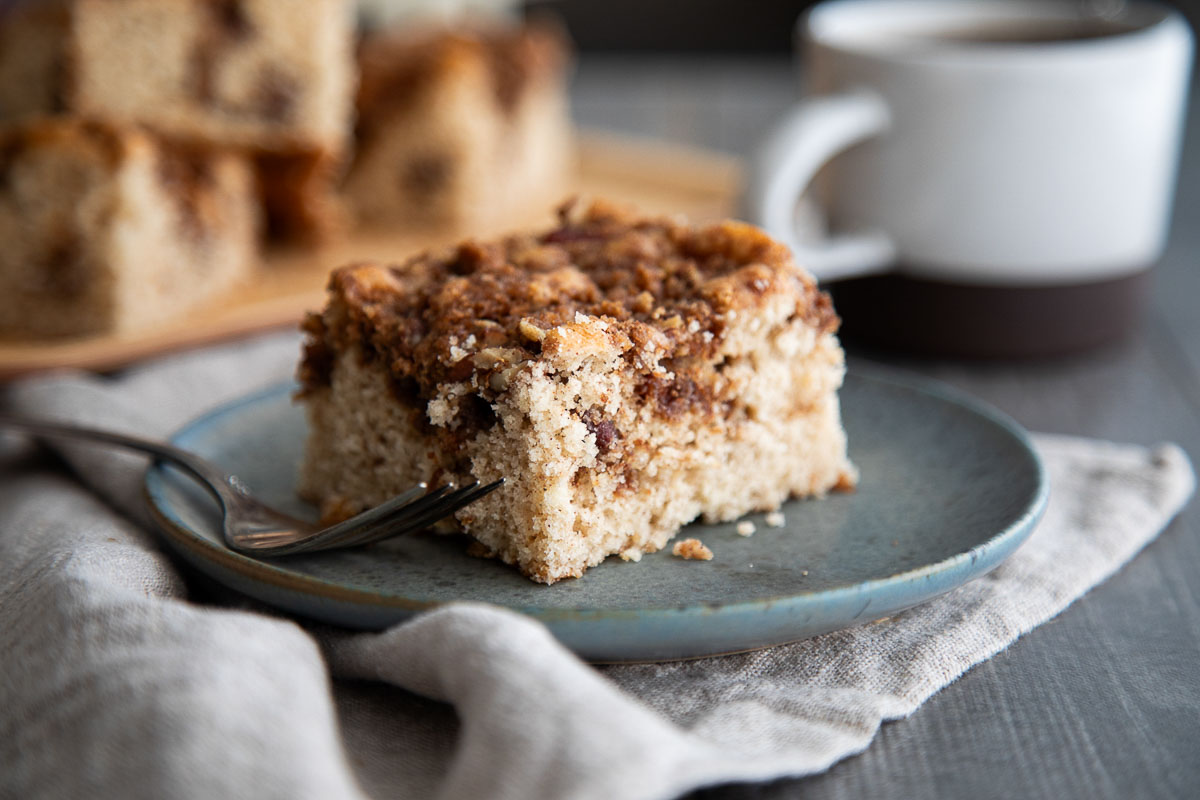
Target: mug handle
(785,163)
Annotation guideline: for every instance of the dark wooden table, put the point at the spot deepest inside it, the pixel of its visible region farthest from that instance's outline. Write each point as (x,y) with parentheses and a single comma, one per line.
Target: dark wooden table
(1103,701)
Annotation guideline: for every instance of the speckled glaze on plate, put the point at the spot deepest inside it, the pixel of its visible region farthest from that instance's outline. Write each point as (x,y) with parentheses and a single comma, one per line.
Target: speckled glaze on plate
(949,489)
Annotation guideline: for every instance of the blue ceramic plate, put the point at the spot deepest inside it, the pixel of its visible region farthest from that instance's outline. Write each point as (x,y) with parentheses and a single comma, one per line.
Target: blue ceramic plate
(949,489)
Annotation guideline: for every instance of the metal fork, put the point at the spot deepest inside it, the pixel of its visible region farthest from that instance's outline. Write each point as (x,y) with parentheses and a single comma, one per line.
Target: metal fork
(251,526)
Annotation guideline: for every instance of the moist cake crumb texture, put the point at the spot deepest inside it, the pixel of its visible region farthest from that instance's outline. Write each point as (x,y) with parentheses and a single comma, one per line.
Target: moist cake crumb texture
(692,549)
(625,375)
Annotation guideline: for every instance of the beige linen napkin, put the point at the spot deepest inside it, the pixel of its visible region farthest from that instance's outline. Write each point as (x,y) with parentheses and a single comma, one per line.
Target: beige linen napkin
(113,683)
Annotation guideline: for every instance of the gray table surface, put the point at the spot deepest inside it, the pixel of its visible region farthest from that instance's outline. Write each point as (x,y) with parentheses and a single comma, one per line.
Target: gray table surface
(1103,701)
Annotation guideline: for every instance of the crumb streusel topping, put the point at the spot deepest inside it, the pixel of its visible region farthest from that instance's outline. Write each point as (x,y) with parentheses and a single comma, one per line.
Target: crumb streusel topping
(657,290)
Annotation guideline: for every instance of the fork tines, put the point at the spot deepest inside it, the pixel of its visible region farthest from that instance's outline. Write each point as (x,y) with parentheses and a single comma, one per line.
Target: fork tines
(397,518)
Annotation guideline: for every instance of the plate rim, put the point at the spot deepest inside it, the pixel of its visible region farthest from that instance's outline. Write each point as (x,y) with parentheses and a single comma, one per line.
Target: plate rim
(1000,544)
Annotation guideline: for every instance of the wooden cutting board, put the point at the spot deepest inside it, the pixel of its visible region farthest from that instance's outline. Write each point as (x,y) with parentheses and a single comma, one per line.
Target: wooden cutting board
(654,176)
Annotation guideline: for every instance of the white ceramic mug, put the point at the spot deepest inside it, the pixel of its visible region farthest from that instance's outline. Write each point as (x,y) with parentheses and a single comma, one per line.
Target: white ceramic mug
(992,143)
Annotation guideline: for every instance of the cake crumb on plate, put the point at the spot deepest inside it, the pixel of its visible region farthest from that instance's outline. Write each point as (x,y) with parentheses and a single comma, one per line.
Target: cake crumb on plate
(745,528)
(692,549)
(775,519)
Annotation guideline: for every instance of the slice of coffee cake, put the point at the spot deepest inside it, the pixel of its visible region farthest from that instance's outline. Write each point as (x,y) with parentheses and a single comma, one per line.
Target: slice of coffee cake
(261,74)
(107,229)
(460,128)
(624,375)
(274,78)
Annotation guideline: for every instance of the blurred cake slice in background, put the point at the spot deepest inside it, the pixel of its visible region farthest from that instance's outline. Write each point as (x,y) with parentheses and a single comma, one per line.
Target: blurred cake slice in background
(272,77)
(107,229)
(265,74)
(460,128)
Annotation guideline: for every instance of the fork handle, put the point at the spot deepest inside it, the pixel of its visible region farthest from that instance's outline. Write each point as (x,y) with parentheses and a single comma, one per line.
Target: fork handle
(209,474)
